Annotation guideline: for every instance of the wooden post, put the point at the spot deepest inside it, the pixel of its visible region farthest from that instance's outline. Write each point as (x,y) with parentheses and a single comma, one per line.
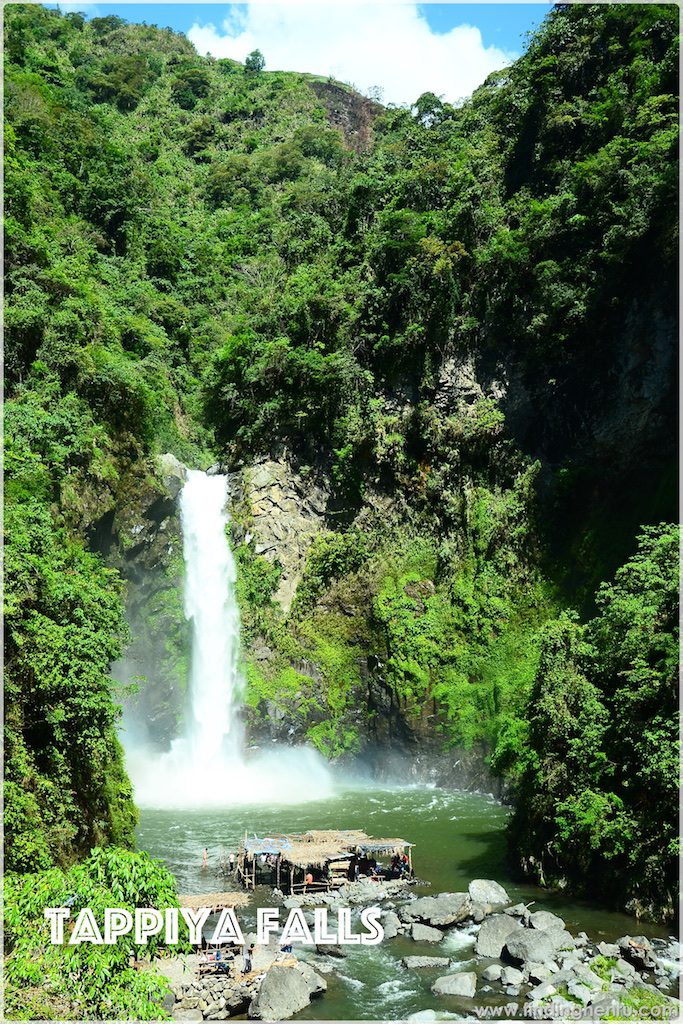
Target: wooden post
(410,860)
(277,870)
(253,884)
(291,879)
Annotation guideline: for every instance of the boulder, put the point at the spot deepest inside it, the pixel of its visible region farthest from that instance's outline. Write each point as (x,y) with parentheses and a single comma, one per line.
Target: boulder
(415,963)
(577,990)
(391,924)
(483,890)
(608,948)
(331,950)
(188,1014)
(542,991)
(463,984)
(423,933)
(511,976)
(560,937)
(544,921)
(492,973)
(442,910)
(316,984)
(538,972)
(494,933)
(524,944)
(624,968)
(284,991)
(478,911)
(173,473)
(586,976)
(519,910)
(637,950)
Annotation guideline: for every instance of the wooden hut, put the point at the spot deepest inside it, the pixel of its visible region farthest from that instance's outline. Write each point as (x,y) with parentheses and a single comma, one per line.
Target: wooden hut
(329,857)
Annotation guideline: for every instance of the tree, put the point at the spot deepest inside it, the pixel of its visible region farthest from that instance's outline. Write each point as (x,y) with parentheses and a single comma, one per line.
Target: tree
(255,62)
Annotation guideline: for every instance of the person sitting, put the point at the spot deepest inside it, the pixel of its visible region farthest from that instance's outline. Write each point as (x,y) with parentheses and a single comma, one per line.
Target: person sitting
(308,880)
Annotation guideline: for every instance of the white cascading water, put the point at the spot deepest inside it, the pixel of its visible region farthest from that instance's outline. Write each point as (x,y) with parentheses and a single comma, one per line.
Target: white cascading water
(211,608)
(207,766)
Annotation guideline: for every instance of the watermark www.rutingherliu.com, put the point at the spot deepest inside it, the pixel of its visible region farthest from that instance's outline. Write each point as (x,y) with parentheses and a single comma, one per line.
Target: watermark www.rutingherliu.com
(612,1010)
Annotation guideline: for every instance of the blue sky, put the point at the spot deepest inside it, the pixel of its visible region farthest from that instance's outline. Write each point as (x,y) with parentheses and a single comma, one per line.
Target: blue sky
(402,49)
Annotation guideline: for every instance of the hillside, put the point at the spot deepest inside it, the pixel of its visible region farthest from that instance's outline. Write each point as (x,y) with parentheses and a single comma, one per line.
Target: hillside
(436,345)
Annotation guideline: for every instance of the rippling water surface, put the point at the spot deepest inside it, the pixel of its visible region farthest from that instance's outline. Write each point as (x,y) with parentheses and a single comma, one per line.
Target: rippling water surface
(458,836)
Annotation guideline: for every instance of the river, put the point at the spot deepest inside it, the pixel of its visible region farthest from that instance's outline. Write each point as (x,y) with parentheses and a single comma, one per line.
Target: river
(458,836)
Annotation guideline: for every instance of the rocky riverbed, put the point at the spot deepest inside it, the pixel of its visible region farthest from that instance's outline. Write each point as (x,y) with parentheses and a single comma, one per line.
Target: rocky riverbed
(519,954)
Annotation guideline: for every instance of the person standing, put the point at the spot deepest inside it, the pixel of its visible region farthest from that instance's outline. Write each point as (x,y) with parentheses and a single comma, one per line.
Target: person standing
(248,950)
(232,862)
(205,858)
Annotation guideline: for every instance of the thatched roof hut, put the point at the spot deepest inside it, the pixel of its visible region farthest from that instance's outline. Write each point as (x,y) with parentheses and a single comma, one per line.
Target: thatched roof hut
(284,855)
(217,901)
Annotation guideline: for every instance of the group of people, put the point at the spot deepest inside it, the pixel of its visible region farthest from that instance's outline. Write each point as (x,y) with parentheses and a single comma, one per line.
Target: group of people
(400,867)
(230,862)
(221,962)
(367,867)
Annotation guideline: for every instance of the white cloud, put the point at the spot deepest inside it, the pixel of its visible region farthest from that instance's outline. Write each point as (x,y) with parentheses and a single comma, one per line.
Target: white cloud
(368,44)
(92,10)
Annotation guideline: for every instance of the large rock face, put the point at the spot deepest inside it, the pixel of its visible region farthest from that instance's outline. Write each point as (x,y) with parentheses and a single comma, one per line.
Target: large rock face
(141,537)
(285,512)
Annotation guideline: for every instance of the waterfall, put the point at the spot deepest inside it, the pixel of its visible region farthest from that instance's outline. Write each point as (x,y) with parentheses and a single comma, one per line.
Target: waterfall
(207,765)
(211,607)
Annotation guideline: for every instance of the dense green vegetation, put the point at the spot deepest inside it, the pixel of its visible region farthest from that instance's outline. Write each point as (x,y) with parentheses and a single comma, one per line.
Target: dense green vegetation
(82,981)
(463,318)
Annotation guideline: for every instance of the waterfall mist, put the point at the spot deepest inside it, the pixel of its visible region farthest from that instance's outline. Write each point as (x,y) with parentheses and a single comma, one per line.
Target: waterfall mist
(207,765)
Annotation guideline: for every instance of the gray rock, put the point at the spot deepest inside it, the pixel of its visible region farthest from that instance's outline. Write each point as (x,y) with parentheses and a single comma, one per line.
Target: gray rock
(544,921)
(172,472)
(561,938)
(316,984)
(478,912)
(511,976)
(391,924)
(442,910)
(607,1004)
(511,990)
(283,992)
(462,984)
(638,950)
(187,1014)
(415,963)
(423,933)
(624,967)
(492,973)
(524,944)
(331,950)
(580,992)
(483,890)
(494,933)
(588,977)
(519,910)
(538,972)
(543,991)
